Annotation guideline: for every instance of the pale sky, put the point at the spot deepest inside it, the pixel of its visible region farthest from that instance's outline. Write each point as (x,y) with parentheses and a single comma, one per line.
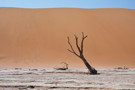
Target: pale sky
(130,4)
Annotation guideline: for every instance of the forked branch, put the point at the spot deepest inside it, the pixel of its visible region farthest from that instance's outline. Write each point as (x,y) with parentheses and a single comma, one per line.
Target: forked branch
(72,50)
(77,43)
(83,37)
(79,49)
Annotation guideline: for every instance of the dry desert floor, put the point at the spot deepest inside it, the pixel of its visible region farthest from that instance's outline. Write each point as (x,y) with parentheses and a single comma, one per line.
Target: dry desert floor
(72,79)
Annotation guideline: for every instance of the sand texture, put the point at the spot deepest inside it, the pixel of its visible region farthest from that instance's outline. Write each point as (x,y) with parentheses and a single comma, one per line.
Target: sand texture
(37,38)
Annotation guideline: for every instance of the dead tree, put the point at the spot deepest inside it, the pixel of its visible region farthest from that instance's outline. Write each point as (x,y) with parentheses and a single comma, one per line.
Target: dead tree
(80,55)
(65,67)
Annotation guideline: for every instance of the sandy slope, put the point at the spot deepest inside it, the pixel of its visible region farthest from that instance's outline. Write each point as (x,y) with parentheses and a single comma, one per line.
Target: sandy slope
(49,79)
(37,38)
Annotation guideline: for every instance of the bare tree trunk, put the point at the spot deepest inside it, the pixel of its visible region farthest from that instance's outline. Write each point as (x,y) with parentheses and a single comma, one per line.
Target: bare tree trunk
(90,68)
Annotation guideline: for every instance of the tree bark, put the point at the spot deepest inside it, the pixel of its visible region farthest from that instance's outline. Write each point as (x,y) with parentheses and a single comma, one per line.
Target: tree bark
(89,67)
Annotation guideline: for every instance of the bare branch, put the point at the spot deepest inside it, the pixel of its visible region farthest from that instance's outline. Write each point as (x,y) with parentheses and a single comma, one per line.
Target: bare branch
(83,37)
(77,43)
(70,45)
(72,50)
(82,34)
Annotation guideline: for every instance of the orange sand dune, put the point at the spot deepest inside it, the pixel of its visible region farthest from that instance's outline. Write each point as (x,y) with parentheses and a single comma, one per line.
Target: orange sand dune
(37,38)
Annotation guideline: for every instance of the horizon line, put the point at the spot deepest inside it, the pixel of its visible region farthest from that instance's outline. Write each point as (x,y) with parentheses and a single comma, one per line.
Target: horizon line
(65,8)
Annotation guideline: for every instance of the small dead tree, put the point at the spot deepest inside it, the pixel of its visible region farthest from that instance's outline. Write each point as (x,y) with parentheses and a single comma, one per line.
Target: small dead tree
(80,55)
(65,67)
